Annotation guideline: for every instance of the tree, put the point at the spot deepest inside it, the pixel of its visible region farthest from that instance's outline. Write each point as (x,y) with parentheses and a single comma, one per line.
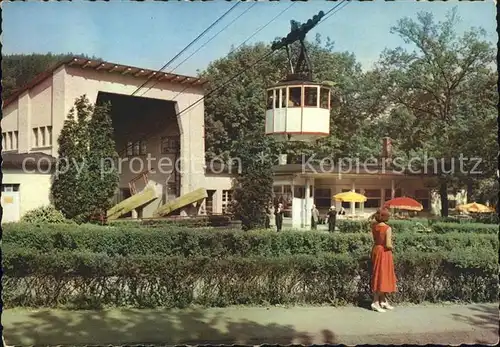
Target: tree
(19,69)
(102,157)
(85,180)
(254,186)
(434,91)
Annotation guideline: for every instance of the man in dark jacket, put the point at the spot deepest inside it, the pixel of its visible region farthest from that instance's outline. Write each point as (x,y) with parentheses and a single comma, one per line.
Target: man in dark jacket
(279,216)
(332,218)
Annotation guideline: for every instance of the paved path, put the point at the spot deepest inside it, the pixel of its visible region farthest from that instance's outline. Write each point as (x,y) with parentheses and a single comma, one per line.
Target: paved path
(445,324)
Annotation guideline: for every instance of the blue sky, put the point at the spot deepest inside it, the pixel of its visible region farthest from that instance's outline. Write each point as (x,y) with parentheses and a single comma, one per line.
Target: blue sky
(148,34)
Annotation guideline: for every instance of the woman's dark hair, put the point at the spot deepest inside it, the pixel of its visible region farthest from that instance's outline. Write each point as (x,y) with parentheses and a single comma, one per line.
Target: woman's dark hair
(382,215)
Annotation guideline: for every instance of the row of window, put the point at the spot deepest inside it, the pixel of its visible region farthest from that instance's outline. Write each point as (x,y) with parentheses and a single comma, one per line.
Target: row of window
(42,137)
(10,140)
(288,97)
(168,145)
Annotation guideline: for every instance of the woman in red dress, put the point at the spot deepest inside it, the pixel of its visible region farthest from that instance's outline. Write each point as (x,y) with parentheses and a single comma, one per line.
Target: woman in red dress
(383,279)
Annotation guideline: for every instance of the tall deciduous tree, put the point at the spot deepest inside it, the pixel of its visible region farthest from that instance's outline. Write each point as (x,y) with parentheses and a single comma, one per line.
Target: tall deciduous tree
(86,178)
(442,91)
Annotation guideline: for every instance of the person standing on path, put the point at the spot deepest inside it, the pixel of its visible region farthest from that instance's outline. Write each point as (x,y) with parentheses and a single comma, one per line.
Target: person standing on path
(383,280)
(314,217)
(279,216)
(332,218)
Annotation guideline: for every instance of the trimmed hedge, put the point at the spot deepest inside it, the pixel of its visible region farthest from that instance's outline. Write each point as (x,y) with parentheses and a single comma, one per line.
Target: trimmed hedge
(89,280)
(475,228)
(224,243)
(192,222)
(482,218)
(401,226)
(363,226)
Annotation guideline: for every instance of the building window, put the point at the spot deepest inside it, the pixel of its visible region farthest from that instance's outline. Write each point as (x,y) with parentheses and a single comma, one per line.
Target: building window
(294,96)
(299,192)
(422,196)
(270,99)
(311,96)
(10,187)
(43,136)
(373,198)
(172,189)
(397,193)
(209,202)
(283,194)
(170,144)
(283,97)
(11,140)
(322,197)
(136,148)
(323,98)
(35,138)
(226,200)
(130,148)
(49,135)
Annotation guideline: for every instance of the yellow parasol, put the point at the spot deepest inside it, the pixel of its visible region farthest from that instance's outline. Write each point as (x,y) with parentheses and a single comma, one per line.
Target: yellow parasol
(350,197)
(475,207)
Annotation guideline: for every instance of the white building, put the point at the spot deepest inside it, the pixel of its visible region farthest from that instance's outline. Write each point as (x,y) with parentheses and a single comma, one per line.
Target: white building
(161,119)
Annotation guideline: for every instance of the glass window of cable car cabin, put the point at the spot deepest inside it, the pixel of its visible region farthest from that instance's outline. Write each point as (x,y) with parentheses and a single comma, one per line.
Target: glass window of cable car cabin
(294,96)
(277,98)
(311,96)
(323,98)
(270,99)
(283,97)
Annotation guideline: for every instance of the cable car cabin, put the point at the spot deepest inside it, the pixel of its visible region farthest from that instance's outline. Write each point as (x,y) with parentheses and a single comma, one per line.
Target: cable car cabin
(298,111)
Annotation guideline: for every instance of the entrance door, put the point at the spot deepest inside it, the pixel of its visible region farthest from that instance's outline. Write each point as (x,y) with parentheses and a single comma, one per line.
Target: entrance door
(10,203)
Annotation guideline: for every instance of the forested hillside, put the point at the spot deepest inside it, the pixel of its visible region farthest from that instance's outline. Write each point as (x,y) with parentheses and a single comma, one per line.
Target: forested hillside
(19,69)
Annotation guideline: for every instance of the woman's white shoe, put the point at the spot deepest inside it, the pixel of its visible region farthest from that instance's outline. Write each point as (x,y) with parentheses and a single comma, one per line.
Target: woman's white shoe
(377,308)
(386,306)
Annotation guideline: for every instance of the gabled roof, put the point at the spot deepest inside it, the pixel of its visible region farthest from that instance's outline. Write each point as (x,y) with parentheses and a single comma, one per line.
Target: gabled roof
(107,67)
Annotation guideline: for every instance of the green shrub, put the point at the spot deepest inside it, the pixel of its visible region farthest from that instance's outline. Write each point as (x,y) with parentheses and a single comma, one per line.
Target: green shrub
(482,218)
(363,226)
(191,222)
(475,228)
(44,215)
(90,280)
(174,241)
